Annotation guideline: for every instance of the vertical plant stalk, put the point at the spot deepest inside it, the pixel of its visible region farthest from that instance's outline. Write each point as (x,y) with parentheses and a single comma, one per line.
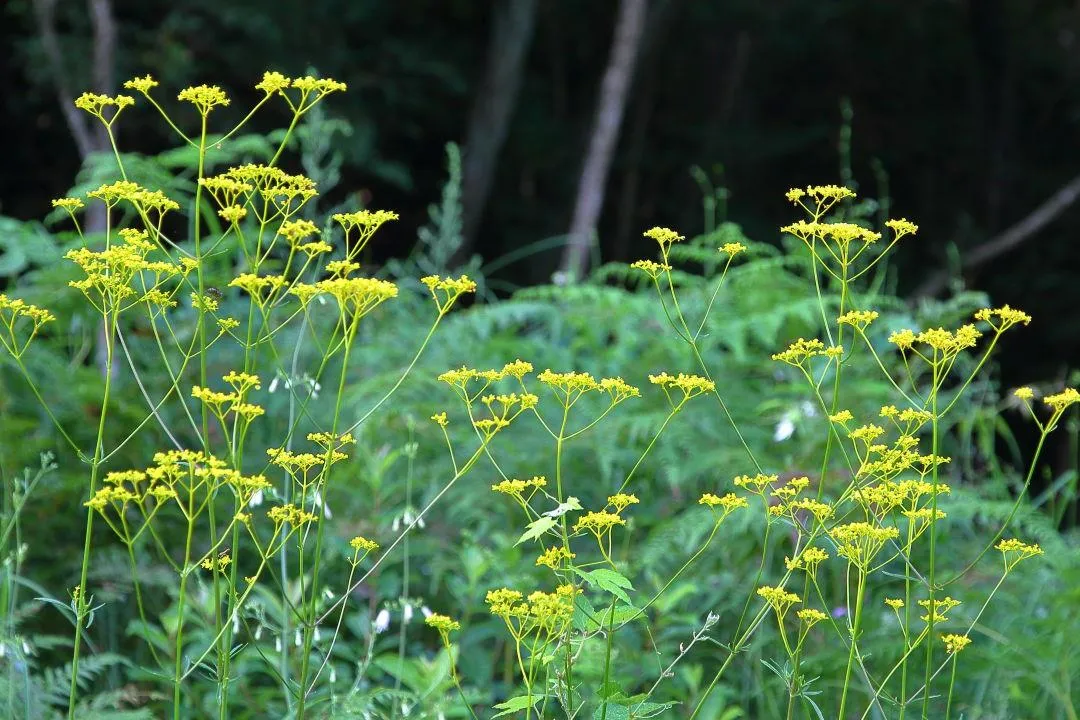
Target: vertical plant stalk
(95,472)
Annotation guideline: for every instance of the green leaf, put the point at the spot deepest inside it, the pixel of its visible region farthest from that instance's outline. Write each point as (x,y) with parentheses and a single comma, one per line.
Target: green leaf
(516,704)
(537,528)
(614,712)
(609,580)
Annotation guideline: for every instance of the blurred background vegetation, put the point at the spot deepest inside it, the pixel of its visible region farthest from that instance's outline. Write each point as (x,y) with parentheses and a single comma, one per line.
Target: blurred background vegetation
(579,125)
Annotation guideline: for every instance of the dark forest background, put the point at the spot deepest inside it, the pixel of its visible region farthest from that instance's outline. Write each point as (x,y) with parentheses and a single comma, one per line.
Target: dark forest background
(960,115)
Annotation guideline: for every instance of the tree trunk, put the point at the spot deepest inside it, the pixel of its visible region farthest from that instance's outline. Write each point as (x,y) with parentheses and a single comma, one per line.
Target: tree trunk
(611,105)
(493,107)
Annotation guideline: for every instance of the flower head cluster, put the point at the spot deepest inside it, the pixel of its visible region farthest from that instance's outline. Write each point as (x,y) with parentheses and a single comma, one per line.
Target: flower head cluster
(554,557)
(98,105)
(444,625)
(800,351)
(722,506)
(1002,318)
(778,598)
(204,97)
(955,643)
(599,524)
(808,560)
(541,615)
(688,386)
(445,291)
(520,490)
(20,322)
(361,544)
(1014,551)
(112,272)
(937,608)
(861,542)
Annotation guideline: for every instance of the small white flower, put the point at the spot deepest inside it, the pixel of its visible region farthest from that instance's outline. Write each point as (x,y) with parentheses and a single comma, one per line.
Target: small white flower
(407,613)
(258,632)
(333,675)
(316,634)
(277,643)
(256,499)
(235,623)
(425,611)
(273,385)
(328,593)
(318,502)
(382,621)
(396,525)
(784,429)
(297,638)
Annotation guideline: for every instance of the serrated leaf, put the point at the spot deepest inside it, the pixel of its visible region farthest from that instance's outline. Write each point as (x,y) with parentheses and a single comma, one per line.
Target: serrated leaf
(609,580)
(516,704)
(536,528)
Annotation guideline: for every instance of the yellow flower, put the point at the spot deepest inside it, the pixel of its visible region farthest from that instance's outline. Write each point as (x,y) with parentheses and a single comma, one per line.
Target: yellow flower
(808,560)
(1024,393)
(1014,551)
(1062,400)
(362,544)
(955,643)
(272,82)
(937,608)
(442,623)
(664,236)
(68,203)
(727,504)
(778,598)
(894,603)
(799,351)
(440,419)
(1002,318)
(689,385)
(204,97)
(858,319)
(141,84)
(811,617)
(598,523)
(445,291)
(621,501)
(554,556)
(653,269)
(902,227)
(732,248)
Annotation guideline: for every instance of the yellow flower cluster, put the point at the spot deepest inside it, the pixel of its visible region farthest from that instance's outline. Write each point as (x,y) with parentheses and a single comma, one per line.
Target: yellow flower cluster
(96,105)
(861,542)
(664,236)
(798,352)
(522,490)
(689,385)
(110,274)
(18,334)
(955,643)
(808,560)
(651,268)
(599,524)
(778,598)
(204,97)
(542,614)
(621,501)
(937,609)
(722,506)
(858,319)
(1014,551)
(1002,318)
(445,291)
(554,557)
(362,545)
(444,625)
(290,514)
(217,564)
